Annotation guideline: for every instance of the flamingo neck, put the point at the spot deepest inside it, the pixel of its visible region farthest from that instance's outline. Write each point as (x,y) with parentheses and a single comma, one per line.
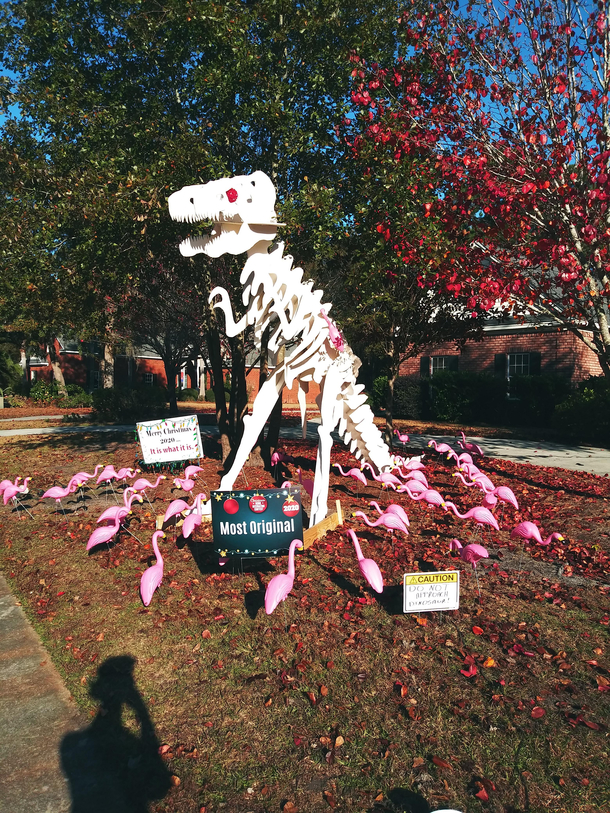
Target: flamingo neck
(157,551)
(291,570)
(358,549)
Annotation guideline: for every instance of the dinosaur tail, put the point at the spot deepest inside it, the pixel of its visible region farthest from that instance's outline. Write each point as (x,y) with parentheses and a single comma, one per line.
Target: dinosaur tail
(358,430)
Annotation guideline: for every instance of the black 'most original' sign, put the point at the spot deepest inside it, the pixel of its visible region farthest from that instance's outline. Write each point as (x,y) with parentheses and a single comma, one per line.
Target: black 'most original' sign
(259,522)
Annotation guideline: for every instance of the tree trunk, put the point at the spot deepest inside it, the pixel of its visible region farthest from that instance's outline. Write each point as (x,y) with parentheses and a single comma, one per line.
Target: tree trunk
(171,371)
(263,374)
(275,419)
(58,376)
(222,421)
(203,373)
(108,367)
(389,405)
(389,410)
(239,396)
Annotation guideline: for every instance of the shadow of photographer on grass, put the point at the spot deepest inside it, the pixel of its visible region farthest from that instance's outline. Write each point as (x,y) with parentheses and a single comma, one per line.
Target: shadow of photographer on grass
(111,765)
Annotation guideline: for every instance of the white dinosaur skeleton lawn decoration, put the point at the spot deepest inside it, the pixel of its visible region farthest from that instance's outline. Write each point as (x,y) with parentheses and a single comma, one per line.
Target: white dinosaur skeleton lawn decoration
(244,220)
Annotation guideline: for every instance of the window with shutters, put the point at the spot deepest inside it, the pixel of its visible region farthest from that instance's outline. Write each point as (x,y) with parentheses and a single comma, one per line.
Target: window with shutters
(438,363)
(518,364)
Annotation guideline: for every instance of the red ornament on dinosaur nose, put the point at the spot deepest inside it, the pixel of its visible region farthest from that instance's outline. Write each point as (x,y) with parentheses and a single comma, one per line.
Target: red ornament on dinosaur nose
(232,195)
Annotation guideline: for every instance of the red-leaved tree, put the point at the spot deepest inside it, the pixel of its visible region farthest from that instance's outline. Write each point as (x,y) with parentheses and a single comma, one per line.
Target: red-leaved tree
(511,105)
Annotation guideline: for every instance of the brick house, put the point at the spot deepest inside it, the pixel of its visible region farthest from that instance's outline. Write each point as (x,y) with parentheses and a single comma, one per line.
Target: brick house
(81,364)
(510,347)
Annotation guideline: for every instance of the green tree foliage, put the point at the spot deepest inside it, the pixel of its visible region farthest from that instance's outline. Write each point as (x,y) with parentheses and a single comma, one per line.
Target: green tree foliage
(120,104)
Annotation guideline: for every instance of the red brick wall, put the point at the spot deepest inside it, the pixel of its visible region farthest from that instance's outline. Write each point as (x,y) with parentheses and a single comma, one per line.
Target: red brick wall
(561,352)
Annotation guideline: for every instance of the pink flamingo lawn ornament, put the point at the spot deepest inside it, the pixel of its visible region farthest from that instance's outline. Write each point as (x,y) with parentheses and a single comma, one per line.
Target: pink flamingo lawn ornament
(127,473)
(107,532)
(184,483)
(413,464)
(192,471)
(506,495)
(385,479)
(473,448)
(174,509)
(430,496)
(190,523)
(334,334)
(13,489)
(195,518)
(280,585)
(392,508)
(368,567)
(416,475)
(527,530)
(441,448)
(490,501)
(481,480)
(142,484)
(480,514)
(402,438)
(81,477)
(306,482)
(412,487)
(357,474)
(58,493)
(111,513)
(108,474)
(470,469)
(472,554)
(152,576)
(386,520)
(6,483)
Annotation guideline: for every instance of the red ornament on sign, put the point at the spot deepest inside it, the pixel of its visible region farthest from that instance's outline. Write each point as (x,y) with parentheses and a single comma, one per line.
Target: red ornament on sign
(258,504)
(290,507)
(232,195)
(231,506)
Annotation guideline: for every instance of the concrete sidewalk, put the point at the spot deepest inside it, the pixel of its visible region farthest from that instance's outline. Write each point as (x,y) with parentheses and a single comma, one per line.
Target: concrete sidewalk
(36,711)
(567,456)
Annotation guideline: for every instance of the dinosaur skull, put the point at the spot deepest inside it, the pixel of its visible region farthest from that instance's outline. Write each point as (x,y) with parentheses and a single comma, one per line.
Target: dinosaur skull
(241,208)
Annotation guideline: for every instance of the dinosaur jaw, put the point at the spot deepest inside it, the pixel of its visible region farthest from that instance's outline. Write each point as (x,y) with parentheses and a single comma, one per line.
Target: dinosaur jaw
(222,238)
(228,238)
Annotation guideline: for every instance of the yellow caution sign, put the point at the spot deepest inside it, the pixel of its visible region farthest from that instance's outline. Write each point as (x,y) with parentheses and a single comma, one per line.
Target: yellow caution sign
(427,592)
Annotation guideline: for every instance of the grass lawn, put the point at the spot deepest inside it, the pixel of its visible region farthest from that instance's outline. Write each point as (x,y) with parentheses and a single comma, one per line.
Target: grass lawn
(338,700)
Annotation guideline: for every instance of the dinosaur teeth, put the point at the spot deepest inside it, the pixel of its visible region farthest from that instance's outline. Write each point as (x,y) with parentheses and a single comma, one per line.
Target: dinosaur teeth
(193,245)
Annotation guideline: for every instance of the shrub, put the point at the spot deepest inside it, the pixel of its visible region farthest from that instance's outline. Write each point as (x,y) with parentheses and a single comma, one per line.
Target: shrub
(44,392)
(188,394)
(378,394)
(77,397)
(211,397)
(533,398)
(129,403)
(408,402)
(11,374)
(585,415)
(458,397)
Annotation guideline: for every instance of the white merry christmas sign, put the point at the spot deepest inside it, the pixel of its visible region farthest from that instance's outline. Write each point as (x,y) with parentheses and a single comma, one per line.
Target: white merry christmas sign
(170,439)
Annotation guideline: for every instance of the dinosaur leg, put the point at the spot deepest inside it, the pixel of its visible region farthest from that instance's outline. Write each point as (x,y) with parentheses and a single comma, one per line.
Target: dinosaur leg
(302,399)
(328,420)
(253,425)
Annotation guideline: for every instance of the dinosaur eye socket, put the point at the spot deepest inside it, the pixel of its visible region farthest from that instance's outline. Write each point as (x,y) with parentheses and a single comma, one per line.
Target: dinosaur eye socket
(231,195)
(253,183)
